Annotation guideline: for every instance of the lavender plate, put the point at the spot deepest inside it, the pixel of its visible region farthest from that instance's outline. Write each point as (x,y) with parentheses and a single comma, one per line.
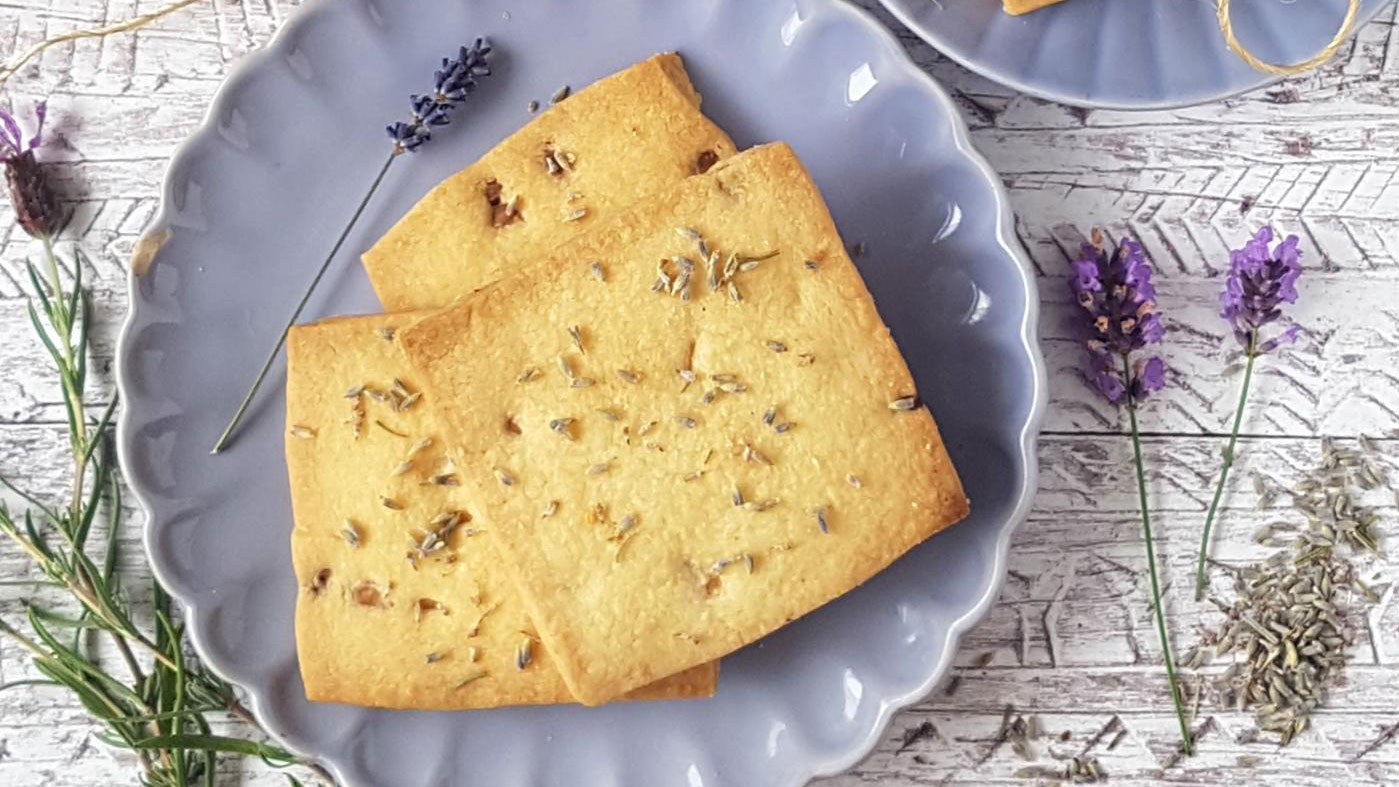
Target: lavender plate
(254,199)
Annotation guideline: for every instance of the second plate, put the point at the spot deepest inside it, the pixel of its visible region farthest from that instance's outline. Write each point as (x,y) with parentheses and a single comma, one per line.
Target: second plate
(1125,54)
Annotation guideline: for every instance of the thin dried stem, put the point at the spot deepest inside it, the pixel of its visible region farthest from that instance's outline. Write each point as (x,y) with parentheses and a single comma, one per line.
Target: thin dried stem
(1187,744)
(228,431)
(24,641)
(19,61)
(1200,582)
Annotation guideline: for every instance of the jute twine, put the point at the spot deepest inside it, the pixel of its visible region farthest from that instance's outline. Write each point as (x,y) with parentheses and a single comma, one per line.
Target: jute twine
(1227,28)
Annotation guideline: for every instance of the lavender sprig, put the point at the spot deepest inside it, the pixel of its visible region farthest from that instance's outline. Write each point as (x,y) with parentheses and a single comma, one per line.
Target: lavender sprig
(1259,282)
(1119,310)
(151,698)
(456,80)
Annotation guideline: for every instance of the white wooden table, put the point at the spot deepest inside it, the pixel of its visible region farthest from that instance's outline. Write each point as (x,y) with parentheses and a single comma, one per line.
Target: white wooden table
(1070,638)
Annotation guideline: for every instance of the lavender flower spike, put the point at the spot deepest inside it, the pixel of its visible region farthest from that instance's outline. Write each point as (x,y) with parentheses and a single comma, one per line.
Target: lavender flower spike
(1117,296)
(1259,282)
(452,83)
(35,206)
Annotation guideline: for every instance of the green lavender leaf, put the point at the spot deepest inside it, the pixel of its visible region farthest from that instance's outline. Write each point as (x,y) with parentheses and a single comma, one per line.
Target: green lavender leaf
(15,684)
(65,621)
(40,292)
(78,294)
(83,314)
(190,713)
(35,538)
(54,354)
(28,498)
(101,474)
(78,668)
(99,428)
(219,743)
(209,757)
(109,559)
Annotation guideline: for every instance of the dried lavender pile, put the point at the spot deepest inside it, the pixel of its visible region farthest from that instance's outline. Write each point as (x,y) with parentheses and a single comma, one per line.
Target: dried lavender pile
(1295,615)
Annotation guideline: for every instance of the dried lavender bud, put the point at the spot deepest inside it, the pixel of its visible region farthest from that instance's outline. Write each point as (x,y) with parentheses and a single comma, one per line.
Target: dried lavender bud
(456,80)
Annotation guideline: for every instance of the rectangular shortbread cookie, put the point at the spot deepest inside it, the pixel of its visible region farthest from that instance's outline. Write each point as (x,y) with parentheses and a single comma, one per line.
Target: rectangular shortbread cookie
(402,604)
(687,427)
(1017,7)
(581,160)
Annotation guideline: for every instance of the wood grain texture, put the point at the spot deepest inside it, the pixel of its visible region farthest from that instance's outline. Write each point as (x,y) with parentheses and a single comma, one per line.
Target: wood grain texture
(1070,638)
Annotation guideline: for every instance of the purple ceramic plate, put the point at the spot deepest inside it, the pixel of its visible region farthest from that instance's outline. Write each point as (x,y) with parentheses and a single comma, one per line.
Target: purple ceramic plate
(257,196)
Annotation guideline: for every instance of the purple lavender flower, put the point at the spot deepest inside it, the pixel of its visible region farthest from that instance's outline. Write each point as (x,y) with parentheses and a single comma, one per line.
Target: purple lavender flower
(35,206)
(12,142)
(1259,282)
(451,85)
(1119,302)
(1116,293)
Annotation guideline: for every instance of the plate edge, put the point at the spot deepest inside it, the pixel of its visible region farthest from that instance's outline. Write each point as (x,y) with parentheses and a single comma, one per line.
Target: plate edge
(206,128)
(1029,435)
(898,9)
(1006,239)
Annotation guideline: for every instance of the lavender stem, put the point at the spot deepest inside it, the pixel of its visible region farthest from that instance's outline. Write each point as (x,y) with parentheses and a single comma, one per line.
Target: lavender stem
(282,337)
(1224,471)
(1160,610)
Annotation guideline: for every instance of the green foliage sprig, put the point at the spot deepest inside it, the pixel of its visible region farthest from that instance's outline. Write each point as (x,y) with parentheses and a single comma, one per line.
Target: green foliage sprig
(151,698)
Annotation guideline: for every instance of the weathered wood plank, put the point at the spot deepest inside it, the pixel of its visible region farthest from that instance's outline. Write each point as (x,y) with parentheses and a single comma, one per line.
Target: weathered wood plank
(1070,637)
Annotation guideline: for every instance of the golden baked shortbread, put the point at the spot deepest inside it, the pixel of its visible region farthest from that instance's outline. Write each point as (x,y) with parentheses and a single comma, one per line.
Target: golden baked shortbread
(686,427)
(579,161)
(1017,7)
(402,602)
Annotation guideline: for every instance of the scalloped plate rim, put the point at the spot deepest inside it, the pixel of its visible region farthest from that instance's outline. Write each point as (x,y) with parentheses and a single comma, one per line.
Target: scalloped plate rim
(1028,336)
